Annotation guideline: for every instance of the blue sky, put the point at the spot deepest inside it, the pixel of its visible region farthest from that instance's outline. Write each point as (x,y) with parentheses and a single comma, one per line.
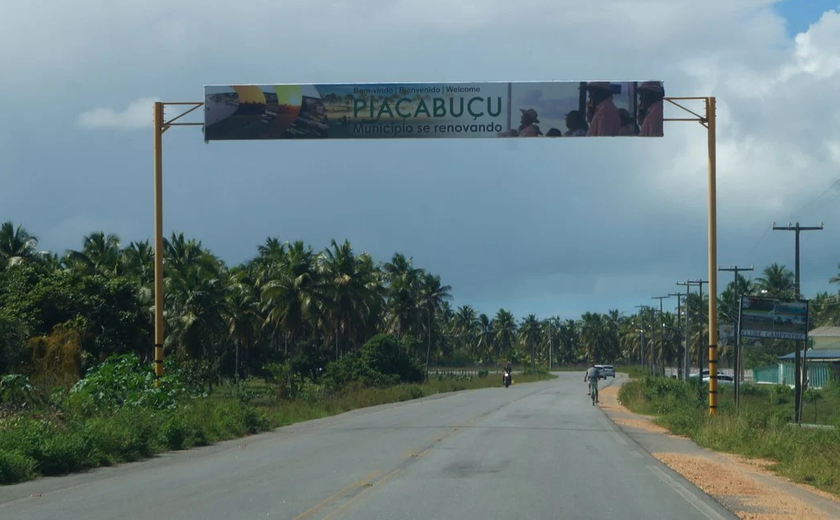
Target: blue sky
(547,227)
(800,14)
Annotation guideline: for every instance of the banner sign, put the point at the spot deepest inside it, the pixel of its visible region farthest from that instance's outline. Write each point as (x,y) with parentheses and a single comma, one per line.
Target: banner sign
(774,319)
(434,110)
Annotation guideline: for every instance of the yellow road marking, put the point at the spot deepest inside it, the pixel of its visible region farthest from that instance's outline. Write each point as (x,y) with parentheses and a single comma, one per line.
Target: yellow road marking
(360,495)
(323,503)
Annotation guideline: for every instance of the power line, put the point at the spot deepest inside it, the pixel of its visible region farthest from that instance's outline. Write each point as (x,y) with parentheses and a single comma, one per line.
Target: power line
(834,184)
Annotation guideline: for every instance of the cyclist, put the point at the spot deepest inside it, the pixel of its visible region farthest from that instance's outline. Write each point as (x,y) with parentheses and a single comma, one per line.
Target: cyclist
(592,375)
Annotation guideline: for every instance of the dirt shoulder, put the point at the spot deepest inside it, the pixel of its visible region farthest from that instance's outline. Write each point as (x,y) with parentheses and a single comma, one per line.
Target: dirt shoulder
(744,486)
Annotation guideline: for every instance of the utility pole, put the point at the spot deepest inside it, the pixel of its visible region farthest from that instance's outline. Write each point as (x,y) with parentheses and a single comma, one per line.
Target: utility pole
(798,368)
(700,353)
(642,308)
(549,344)
(739,360)
(661,332)
(679,319)
(686,364)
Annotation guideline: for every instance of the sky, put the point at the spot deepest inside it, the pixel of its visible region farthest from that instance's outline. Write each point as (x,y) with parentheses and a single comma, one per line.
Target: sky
(549,226)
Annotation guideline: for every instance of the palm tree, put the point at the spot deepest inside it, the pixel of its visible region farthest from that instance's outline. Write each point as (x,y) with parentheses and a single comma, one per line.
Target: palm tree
(196,296)
(432,296)
(346,294)
(569,341)
(402,279)
(593,336)
(242,314)
(16,245)
(631,341)
(776,282)
(466,327)
(530,333)
(504,332)
(100,254)
(823,311)
(289,281)
(486,344)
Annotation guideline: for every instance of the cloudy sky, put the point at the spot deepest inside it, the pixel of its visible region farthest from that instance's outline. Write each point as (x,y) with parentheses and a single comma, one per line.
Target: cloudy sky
(544,226)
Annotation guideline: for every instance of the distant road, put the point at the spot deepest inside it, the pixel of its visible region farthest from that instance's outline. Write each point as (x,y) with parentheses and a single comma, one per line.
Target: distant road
(532,451)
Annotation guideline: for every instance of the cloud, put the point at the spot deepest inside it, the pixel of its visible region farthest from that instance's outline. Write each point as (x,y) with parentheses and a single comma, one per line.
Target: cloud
(138,114)
(533,225)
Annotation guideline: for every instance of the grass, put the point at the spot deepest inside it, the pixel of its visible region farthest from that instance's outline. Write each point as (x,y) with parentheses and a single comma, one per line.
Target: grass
(70,437)
(633,371)
(761,429)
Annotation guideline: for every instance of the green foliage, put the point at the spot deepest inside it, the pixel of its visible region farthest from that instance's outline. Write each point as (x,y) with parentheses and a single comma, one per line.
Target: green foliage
(781,394)
(761,429)
(16,390)
(15,467)
(384,354)
(538,370)
(383,361)
(122,381)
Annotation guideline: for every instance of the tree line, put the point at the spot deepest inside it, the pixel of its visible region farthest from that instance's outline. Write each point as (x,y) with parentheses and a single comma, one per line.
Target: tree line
(292,302)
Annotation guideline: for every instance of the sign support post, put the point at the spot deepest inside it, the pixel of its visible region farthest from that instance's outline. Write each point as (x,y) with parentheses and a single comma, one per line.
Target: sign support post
(161,126)
(709,121)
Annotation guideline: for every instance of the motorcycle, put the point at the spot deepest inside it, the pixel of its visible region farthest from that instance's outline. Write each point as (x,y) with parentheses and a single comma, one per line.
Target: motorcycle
(506,379)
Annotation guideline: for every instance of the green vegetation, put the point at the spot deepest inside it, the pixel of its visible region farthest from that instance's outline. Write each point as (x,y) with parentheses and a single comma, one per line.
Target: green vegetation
(762,429)
(288,335)
(117,413)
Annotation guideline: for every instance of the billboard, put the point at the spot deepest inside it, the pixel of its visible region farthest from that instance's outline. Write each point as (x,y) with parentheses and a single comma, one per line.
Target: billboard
(434,110)
(774,319)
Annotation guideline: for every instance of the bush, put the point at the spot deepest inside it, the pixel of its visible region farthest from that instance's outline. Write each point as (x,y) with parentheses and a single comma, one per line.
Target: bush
(16,392)
(483,373)
(122,381)
(781,394)
(538,370)
(385,354)
(15,467)
(55,450)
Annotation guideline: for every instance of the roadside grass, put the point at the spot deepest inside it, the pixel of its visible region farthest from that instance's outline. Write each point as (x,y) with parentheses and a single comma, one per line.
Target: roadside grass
(633,371)
(762,428)
(72,434)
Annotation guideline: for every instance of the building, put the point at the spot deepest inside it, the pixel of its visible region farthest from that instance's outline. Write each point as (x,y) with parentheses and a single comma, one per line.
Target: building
(822,361)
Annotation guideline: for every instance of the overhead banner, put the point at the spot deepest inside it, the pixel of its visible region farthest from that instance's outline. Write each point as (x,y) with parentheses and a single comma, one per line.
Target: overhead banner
(434,110)
(774,319)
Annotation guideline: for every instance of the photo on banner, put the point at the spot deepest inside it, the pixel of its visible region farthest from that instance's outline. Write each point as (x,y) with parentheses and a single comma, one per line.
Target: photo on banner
(434,110)
(773,318)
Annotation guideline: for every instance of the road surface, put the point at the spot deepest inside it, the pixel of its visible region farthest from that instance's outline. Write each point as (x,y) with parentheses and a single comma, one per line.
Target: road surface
(530,451)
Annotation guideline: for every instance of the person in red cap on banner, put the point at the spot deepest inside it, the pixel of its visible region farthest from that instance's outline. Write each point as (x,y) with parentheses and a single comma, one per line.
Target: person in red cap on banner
(651,95)
(606,121)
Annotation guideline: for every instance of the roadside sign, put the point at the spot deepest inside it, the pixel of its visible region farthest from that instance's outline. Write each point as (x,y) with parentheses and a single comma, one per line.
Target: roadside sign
(434,110)
(774,318)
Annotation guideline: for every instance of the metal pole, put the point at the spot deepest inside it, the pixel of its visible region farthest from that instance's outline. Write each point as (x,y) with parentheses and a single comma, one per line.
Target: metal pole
(642,344)
(686,357)
(659,357)
(679,320)
(158,129)
(798,362)
(713,321)
(739,362)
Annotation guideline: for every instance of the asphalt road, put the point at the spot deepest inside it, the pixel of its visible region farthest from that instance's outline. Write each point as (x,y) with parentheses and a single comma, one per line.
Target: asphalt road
(530,451)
